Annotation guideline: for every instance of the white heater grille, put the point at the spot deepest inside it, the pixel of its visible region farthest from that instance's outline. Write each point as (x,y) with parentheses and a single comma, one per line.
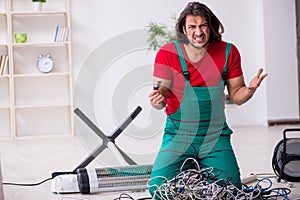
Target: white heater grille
(134,177)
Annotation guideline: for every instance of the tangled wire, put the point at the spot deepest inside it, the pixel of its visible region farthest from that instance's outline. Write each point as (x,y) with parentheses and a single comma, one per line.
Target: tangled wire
(193,184)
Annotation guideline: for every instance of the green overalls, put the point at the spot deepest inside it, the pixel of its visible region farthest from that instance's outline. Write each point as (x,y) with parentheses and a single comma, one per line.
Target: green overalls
(198,129)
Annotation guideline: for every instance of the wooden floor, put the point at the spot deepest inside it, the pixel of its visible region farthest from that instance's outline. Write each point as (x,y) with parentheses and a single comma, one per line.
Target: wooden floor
(31,160)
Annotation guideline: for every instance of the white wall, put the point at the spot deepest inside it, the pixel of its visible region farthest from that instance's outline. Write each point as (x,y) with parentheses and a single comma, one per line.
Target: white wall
(244,27)
(98,28)
(281,59)
(263,31)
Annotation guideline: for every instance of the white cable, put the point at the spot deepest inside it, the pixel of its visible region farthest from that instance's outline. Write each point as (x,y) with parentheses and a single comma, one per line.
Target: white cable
(194,184)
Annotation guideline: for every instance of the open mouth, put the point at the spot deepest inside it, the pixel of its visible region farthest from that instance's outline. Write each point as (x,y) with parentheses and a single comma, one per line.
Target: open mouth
(199,39)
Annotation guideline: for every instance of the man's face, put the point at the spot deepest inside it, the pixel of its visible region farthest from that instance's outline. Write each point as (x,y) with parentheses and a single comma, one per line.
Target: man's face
(197,31)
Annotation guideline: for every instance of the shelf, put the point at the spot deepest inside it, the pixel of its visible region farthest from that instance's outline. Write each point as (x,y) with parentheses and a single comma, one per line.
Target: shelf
(4,47)
(3,29)
(4,76)
(4,91)
(33,103)
(5,107)
(20,6)
(43,121)
(59,54)
(5,116)
(33,106)
(49,44)
(41,90)
(36,14)
(39,28)
(40,74)
(3,7)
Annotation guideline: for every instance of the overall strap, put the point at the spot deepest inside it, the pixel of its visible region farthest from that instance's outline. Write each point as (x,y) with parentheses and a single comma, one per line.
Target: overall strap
(185,71)
(224,73)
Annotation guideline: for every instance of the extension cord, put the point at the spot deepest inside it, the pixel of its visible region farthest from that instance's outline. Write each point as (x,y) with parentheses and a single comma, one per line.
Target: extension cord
(66,183)
(249,179)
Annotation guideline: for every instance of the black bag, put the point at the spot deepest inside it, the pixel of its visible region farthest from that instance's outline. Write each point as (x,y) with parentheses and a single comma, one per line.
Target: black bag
(286,158)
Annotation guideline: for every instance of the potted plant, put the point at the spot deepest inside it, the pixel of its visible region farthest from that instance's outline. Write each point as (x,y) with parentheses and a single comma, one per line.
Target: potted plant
(159,34)
(38,5)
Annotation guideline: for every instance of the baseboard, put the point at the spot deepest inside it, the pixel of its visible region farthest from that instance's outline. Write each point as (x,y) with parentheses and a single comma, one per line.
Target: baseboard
(283,122)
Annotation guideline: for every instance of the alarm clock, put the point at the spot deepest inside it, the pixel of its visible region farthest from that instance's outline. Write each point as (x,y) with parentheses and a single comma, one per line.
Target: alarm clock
(45,63)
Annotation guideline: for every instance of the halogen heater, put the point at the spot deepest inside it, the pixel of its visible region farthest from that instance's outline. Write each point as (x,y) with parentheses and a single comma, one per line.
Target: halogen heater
(112,179)
(129,176)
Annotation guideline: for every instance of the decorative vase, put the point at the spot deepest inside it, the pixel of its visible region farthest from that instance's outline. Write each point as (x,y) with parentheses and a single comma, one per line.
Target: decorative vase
(37,6)
(20,37)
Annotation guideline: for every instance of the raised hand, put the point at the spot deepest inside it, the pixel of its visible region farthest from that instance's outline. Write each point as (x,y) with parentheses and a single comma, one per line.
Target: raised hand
(256,81)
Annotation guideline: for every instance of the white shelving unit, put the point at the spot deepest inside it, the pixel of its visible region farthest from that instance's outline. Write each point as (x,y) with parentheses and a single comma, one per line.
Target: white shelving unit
(6,127)
(33,103)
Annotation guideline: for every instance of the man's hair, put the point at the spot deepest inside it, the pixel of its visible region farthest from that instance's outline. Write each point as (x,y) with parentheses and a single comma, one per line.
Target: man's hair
(199,9)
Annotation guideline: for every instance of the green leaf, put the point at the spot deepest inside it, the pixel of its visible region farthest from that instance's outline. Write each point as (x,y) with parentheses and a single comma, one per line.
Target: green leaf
(159,34)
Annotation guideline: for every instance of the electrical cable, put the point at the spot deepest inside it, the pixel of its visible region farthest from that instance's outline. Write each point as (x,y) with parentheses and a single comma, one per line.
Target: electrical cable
(127,196)
(193,184)
(121,197)
(124,196)
(28,184)
(197,183)
(279,192)
(262,180)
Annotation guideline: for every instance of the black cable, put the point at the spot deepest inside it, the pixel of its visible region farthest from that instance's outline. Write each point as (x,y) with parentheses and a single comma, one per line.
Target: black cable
(124,196)
(28,184)
(285,192)
(127,196)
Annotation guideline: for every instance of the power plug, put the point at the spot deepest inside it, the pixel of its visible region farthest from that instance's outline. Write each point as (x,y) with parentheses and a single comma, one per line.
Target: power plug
(249,179)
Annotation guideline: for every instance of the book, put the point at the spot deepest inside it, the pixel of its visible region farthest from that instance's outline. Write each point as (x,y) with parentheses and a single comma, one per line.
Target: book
(56,33)
(66,32)
(61,33)
(2,64)
(5,67)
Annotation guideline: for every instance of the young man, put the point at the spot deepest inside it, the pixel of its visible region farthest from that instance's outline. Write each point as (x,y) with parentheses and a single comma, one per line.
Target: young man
(192,72)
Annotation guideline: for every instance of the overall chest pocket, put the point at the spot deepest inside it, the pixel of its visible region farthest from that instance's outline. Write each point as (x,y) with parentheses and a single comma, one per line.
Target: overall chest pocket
(207,102)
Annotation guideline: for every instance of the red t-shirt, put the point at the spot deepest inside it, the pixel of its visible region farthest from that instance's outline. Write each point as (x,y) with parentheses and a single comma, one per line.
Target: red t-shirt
(206,72)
